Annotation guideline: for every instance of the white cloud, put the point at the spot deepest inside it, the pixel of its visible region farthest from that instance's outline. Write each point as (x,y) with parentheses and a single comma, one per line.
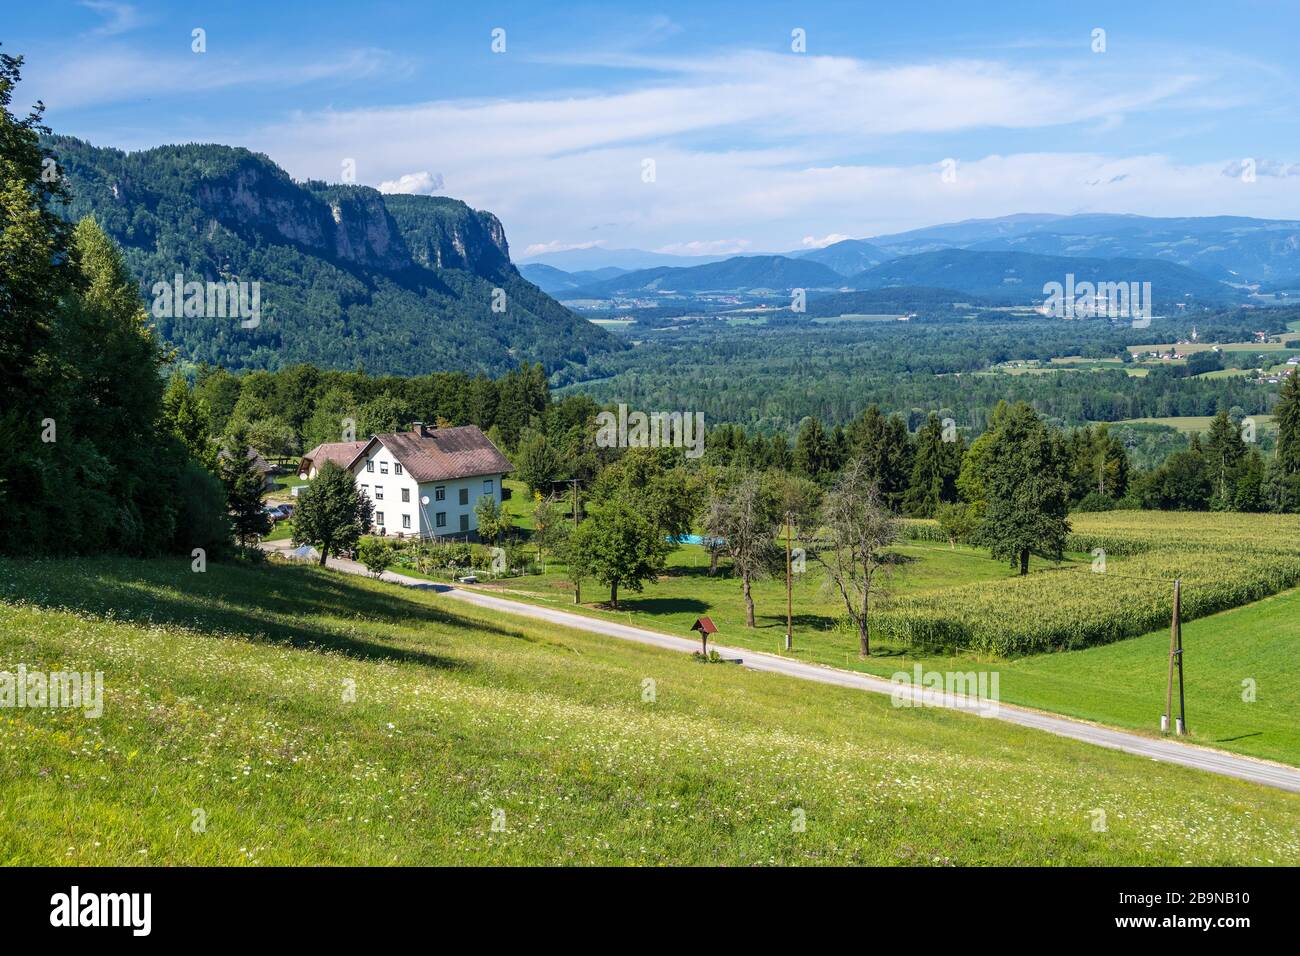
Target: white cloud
(812,242)
(423,183)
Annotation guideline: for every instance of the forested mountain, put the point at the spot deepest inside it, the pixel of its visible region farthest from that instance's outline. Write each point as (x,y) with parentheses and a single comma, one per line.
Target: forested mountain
(348,276)
(848,257)
(1224,247)
(555,281)
(1020,276)
(738,274)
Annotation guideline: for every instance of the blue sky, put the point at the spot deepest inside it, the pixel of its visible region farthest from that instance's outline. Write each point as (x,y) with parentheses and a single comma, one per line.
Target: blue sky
(755,147)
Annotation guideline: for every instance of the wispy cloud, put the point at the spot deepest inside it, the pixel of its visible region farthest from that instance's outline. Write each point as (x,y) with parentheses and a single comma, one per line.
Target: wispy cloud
(707,247)
(118,17)
(90,74)
(784,150)
(556,245)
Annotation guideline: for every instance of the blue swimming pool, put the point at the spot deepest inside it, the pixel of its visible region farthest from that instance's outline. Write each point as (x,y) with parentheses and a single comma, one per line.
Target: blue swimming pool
(690,539)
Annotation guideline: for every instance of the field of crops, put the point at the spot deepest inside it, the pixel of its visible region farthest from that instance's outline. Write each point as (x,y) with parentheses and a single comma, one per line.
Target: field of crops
(1223,561)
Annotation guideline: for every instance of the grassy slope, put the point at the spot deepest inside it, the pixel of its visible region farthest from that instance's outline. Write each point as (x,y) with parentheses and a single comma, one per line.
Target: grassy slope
(1124,683)
(223,692)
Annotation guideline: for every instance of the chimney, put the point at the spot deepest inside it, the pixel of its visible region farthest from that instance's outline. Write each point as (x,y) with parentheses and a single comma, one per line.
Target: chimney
(419,429)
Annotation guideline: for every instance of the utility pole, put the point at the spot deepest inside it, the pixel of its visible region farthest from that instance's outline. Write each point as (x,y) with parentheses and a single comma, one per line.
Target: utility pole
(1178,639)
(1175,654)
(577,584)
(789,612)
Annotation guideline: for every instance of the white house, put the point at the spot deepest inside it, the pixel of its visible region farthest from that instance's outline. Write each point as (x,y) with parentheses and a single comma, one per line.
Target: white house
(427,481)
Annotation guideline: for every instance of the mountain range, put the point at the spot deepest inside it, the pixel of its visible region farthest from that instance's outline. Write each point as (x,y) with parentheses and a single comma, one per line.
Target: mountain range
(997,277)
(1235,249)
(555,281)
(738,274)
(348,276)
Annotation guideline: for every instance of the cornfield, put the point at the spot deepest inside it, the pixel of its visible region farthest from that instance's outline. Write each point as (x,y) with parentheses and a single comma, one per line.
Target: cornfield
(1223,560)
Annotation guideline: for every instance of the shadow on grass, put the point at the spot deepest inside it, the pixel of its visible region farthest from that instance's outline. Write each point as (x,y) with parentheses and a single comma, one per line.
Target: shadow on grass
(264,603)
(658,606)
(810,622)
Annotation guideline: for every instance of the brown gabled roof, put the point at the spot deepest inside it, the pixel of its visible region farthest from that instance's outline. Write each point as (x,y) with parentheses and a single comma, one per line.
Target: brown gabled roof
(339,452)
(442,454)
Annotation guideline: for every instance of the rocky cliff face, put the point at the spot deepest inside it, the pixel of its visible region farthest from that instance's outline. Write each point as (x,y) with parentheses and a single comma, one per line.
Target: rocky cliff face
(347,276)
(445,233)
(246,192)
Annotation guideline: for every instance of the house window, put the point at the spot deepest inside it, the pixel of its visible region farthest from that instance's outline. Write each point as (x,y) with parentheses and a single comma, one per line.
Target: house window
(370,466)
(464,498)
(397,467)
(406,494)
(365,490)
(487,487)
(379,518)
(379,492)
(439,494)
(464,522)
(440,519)
(406,521)
(383,467)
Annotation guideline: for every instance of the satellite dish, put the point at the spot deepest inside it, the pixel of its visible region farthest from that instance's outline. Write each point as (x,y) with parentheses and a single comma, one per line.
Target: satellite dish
(424,499)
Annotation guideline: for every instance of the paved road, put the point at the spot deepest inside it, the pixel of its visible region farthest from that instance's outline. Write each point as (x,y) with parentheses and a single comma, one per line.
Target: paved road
(1163,750)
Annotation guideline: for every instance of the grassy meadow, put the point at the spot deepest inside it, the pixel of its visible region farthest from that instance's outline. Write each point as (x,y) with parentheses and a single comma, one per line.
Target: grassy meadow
(227,738)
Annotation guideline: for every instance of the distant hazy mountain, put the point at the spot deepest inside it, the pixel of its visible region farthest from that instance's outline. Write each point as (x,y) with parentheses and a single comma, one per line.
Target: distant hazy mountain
(1020,276)
(848,257)
(555,281)
(738,274)
(595,258)
(1235,248)
(399,284)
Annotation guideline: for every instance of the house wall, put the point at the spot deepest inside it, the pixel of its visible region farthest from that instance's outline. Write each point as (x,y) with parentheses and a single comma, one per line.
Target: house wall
(451,506)
(423,519)
(382,479)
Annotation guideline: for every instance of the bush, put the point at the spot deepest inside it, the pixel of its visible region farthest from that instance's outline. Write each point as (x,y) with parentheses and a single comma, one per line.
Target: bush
(376,554)
(1095,501)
